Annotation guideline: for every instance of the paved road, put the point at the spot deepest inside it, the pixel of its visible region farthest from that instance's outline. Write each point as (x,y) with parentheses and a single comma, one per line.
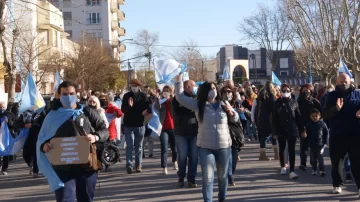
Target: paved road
(255,181)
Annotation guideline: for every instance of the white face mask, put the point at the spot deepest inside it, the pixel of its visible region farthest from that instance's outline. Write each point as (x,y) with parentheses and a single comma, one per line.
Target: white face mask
(166,94)
(135,89)
(212,94)
(285,95)
(229,97)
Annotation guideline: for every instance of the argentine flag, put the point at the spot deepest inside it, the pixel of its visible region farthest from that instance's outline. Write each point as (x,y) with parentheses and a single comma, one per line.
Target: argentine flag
(275,79)
(343,69)
(31,98)
(58,81)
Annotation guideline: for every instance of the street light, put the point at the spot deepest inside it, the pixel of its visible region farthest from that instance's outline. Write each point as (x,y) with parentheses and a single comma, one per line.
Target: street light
(202,62)
(253,57)
(120,41)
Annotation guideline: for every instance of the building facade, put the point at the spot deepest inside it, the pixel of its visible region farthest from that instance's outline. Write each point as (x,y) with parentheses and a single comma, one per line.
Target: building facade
(96,18)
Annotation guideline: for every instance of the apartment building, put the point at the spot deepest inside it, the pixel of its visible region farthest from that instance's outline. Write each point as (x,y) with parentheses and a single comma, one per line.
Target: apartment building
(97,18)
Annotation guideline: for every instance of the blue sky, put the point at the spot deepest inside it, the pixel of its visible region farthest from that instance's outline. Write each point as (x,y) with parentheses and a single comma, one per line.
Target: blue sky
(208,22)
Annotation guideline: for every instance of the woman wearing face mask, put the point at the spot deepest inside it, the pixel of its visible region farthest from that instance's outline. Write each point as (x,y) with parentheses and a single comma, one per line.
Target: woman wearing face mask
(286,127)
(227,94)
(94,103)
(213,141)
(167,134)
(112,112)
(265,104)
(306,103)
(250,97)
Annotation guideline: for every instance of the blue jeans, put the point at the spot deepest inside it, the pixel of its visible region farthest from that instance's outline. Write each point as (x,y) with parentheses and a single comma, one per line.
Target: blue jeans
(347,167)
(232,164)
(166,137)
(78,185)
(208,158)
(134,137)
(187,149)
(249,128)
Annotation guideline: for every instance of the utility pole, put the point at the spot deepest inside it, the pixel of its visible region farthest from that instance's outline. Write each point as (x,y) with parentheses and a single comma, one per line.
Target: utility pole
(310,64)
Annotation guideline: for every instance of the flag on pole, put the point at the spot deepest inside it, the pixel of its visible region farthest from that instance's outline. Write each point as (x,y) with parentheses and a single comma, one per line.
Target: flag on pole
(343,69)
(58,81)
(31,98)
(226,73)
(275,79)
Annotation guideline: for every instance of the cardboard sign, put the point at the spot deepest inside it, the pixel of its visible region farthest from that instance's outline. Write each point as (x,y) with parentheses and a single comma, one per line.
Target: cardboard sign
(69,150)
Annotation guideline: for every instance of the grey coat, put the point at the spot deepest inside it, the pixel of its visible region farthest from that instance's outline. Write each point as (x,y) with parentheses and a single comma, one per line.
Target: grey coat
(213,131)
(162,110)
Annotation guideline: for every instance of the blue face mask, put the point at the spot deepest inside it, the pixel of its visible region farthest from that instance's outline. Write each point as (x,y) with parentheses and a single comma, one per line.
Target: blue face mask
(68,100)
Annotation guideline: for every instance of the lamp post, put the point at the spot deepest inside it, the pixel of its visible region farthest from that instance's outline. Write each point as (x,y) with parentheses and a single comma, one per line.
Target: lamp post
(202,62)
(310,64)
(253,57)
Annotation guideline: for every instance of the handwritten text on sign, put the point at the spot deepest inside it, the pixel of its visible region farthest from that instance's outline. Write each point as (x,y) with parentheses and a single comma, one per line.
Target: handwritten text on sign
(69,150)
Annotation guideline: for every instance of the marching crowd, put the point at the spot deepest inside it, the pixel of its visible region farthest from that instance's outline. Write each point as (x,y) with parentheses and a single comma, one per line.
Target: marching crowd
(204,125)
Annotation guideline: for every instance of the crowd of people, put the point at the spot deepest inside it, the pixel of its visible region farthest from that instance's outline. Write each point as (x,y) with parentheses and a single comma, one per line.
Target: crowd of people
(206,127)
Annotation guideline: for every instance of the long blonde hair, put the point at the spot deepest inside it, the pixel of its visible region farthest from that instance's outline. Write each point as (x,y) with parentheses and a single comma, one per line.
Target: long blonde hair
(97,101)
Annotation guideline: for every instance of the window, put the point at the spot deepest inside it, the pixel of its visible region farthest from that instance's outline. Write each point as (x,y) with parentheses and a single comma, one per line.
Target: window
(70,33)
(284,63)
(93,2)
(67,15)
(94,18)
(56,38)
(284,73)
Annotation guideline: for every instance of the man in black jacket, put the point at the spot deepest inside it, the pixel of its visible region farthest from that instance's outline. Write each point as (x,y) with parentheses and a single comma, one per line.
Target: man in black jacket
(186,129)
(9,118)
(135,105)
(79,181)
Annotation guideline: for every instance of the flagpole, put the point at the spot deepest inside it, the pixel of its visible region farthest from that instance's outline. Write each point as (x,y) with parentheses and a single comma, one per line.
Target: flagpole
(310,65)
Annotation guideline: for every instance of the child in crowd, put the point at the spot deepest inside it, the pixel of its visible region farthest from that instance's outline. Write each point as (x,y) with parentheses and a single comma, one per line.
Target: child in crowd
(318,134)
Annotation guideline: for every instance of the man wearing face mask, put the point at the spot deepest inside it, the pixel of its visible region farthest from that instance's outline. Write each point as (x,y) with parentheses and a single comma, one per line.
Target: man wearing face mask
(306,103)
(186,129)
(135,105)
(342,109)
(9,118)
(66,118)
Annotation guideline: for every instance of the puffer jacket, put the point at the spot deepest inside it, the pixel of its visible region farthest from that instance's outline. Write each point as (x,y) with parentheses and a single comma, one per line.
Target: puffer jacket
(184,119)
(317,133)
(213,131)
(263,114)
(286,118)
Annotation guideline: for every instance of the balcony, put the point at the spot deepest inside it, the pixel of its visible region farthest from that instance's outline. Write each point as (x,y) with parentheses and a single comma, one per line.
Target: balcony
(121,31)
(122,48)
(121,2)
(114,43)
(121,15)
(114,7)
(114,25)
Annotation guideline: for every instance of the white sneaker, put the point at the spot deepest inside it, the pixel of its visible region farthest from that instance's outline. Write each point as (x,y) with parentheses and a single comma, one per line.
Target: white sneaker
(4,173)
(337,190)
(293,175)
(165,172)
(283,171)
(176,166)
(314,172)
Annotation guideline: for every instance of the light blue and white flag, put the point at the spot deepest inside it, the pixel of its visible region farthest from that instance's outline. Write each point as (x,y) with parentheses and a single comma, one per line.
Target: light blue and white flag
(58,81)
(275,79)
(154,123)
(31,98)
(185,76)
(9,145)
(226,73)
(343,69)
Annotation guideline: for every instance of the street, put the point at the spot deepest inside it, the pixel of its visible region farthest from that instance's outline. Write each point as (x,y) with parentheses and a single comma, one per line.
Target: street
(255,181)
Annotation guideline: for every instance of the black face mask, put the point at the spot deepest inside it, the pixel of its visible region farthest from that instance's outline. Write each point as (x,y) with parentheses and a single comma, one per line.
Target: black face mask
(93,107)
(103,103)
(344,87)
(306,94)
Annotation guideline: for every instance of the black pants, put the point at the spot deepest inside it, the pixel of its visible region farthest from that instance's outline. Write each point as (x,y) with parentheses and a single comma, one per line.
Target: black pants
(78,185)
(291,149)
(263,136)
(304,147)
(316,158)
(4,163)
(339,146)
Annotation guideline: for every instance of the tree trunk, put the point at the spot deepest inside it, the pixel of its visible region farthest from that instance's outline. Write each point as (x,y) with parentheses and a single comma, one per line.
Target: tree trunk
(12,85)
(356,75)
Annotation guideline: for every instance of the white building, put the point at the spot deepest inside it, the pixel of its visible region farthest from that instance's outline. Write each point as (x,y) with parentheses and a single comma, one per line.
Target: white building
(96,18)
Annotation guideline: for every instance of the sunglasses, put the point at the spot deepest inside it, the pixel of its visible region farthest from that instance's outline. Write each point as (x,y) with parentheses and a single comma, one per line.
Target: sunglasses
(285,91)
(228,91)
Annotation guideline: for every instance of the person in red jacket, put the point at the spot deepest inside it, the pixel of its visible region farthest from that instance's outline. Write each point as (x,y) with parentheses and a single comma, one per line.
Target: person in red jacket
(113,110)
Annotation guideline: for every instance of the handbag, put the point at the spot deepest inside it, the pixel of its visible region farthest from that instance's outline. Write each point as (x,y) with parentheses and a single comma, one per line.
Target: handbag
(94,163)
(236,133)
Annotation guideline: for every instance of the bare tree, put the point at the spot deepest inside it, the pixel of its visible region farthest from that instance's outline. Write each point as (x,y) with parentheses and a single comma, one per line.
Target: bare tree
(190,54)
(324,29)
(145,42)
(269,29)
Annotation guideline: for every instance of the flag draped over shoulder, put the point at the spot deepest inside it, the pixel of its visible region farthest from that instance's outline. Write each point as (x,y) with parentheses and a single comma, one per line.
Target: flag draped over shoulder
(275,79)
(31,98)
